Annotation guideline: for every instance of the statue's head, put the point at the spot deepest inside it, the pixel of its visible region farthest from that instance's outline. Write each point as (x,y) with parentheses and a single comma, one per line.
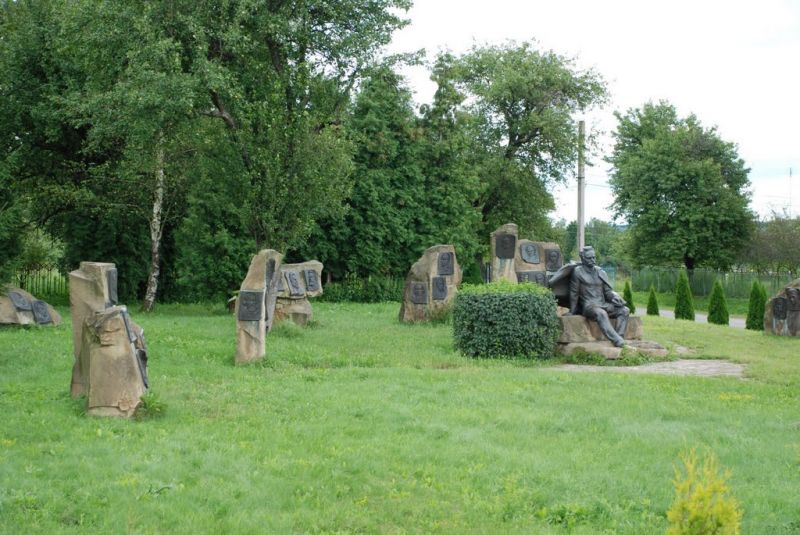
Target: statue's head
(588,256)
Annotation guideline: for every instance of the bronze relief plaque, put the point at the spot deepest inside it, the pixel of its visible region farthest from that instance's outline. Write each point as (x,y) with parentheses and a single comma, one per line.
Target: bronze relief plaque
(41,313)
(251,303)
(419,293)
(439,288)
(446,264)
(552,259)
(505,245)
(779,308)
(530,253)
(20,301)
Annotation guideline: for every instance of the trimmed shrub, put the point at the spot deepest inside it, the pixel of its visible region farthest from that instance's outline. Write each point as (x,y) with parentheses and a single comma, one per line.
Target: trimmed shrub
(502,319)
(652,302)
(756,307)
(684,303)
(717,306)
(703,503)
(627,295)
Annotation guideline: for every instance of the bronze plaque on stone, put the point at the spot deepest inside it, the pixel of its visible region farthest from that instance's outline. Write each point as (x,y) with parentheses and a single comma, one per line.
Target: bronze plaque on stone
(530,253)
(128,328)
(525,276)
(250,305)
(552,259)
(446,264)
(41,313)
(20,301)
(295,289)
(779,308)
(793,294)
(505,245)
(419,293)
(312,280)
(540,278)
(439,288)
(111,279)
(270,273)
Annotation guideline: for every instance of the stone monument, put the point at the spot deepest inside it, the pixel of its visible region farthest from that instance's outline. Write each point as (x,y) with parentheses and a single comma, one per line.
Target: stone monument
(782,312)
(110,351)
(18,307)
(591,305)
(431,284)
(298,283)
(522,260)
(255,306)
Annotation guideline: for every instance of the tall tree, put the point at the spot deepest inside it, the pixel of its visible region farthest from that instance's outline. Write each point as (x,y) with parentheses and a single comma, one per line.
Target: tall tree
(524,100)
(681,188)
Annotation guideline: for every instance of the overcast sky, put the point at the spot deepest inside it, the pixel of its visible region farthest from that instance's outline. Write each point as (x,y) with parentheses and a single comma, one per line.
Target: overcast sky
(735,64)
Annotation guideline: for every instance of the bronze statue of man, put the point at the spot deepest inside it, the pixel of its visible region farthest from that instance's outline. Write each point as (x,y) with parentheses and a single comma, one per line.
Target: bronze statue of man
(591,295)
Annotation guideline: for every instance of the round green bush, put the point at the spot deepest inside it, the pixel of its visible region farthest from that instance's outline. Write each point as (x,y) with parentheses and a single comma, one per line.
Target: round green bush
(503,319)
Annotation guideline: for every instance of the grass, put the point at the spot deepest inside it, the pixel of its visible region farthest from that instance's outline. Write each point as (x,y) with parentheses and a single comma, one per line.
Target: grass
(360,424)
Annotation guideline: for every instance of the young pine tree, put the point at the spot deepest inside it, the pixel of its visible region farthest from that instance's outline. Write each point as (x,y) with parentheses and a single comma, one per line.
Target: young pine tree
(684,303)
(652,302)
(717,306)
(627,295)
(755,307)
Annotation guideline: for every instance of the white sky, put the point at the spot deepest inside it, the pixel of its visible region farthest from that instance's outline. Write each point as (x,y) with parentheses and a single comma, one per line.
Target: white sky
(735,64)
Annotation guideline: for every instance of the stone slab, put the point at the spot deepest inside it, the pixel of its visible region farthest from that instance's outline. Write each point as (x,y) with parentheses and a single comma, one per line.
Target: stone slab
(576,329)
(427,292)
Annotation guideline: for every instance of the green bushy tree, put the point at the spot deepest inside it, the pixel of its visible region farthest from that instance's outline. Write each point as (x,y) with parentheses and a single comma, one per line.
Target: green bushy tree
(756,307)
(627,294)
(652,302)
(684,302)
(717,305)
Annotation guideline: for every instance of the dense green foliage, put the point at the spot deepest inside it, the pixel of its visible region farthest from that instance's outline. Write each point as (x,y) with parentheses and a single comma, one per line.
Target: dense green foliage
(703,501)
(627,295)
(774,246)
(684,303)
(377,426)
(652,302)
(374,289)
(505,320)
(682,189)
(717,306)
(11,215)
(756,307)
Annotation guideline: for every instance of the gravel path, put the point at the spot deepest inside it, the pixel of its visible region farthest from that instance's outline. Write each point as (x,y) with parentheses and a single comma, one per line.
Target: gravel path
(704,368)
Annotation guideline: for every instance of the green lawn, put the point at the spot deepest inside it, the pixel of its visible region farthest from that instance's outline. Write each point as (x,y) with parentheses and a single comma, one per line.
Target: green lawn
(359,424)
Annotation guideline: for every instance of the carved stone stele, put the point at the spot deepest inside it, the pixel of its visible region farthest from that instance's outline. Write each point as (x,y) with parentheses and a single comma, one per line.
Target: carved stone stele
(89,293)
(262,279)
(427,291)
(300,282)
(114,372)
(505,249)
(782,311)
(11,314)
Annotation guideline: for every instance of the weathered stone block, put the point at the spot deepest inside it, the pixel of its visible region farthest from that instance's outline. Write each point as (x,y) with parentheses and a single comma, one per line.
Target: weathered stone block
(577,328)
(427,291)
(38,312)
(261,280)
(782,312)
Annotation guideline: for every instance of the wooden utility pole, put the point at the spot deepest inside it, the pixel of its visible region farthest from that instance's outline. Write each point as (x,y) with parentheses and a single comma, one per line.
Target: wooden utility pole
(581,185)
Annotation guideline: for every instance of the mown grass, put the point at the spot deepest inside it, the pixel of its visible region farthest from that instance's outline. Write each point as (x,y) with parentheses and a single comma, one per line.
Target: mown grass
(360,424)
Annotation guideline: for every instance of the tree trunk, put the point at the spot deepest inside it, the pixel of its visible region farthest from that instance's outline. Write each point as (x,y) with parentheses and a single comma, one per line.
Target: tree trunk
(688,261)
(156,230)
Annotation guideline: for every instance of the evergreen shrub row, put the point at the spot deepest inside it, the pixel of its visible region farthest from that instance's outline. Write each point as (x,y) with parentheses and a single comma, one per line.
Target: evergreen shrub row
(756,307)
(502,319)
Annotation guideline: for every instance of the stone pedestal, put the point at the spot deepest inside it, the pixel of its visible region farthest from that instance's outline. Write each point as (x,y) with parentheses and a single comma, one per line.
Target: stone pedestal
(255,307)
(92,289)
(782,312)
(113,362)
(18,307)
(431,284)
(579,334)
(298,283)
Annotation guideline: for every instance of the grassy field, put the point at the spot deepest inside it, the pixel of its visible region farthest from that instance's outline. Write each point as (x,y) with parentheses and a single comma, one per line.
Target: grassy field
(359,424)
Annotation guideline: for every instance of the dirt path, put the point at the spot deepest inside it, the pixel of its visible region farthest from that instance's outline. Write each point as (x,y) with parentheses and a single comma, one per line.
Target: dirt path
(705,368)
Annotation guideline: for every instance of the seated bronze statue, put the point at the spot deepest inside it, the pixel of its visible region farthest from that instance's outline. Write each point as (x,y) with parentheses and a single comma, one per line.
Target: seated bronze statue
(591,295)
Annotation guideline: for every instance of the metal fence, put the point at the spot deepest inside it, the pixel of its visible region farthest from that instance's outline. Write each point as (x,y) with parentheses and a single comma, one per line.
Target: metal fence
(735,283)
(42,280)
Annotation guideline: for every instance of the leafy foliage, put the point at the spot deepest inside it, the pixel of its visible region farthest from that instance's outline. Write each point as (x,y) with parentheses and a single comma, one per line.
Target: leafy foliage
(681,188)
(703,503)
(774,246)
(373,289)
(652,302)
(627,295)
(756,307)
(684,304)
(505,320)
(717,306)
